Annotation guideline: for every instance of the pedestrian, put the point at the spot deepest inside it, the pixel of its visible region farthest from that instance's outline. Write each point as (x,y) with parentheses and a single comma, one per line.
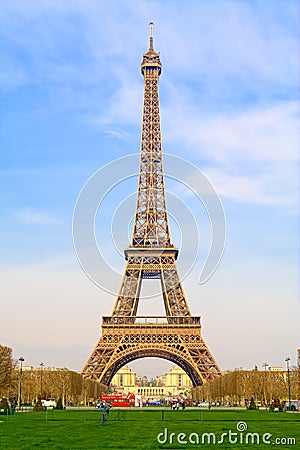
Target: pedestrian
(105,411)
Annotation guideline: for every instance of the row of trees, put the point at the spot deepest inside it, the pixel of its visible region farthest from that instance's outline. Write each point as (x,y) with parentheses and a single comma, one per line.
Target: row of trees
(233,386)
(46,383)
(240,385)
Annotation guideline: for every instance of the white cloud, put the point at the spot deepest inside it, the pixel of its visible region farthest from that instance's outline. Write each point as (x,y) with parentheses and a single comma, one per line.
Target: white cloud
(125,105)
(249,155)
(117,134)
(251,189)
(30,216)
(219,40)
(262,133)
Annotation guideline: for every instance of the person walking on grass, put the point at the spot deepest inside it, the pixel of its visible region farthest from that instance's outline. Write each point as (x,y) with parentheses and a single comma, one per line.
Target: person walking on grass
(105,411)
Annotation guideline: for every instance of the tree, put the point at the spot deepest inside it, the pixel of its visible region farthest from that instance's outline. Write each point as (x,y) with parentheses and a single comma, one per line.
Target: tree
(6,369)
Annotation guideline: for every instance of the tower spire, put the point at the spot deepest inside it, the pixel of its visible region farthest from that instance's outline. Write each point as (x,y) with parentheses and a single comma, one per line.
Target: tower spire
(151,48)
(151,227)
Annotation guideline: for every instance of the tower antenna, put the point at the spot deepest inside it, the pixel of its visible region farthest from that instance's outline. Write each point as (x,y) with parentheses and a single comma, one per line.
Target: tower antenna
(151,36)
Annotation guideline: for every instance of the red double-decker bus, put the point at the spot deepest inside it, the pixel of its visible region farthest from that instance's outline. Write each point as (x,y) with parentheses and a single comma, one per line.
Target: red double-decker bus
(119,399)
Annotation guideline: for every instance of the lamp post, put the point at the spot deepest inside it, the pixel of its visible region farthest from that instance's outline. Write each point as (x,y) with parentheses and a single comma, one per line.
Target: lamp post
(42,365)
(265,365)
(21,359)
(84,391)
(287,360)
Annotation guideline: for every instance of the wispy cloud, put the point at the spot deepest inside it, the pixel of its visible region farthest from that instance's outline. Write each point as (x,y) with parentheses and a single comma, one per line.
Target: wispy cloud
(261,190)
(235,42)
(125,105)
(119,134)
(262,133)
(30,216)
(249,153)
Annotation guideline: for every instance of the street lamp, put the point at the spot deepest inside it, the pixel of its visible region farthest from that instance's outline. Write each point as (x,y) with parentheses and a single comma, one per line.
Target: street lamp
(287,359)
(42,365)
(21,359)
(265,365)
(220,390)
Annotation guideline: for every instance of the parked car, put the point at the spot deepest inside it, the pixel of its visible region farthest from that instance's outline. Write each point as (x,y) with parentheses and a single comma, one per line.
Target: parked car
(295,405)
(49,403)
(154,402)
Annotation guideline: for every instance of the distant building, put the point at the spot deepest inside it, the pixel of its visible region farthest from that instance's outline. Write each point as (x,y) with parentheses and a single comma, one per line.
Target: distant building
(160,380)
(27,367)
(124,378)
(276,369)
(177,377)
(52,369)
(141,381)
(173,383)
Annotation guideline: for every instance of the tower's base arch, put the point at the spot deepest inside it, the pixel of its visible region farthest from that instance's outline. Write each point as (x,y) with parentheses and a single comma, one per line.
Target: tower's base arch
(131,338)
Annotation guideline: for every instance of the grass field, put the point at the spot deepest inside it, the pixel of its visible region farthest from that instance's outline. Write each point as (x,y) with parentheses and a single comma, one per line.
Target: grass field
(138,429)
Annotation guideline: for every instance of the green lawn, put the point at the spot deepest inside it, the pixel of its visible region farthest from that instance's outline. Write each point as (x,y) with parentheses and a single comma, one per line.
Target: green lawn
(138,429)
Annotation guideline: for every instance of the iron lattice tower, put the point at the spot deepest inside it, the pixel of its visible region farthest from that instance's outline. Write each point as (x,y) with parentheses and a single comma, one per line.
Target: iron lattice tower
(126,336)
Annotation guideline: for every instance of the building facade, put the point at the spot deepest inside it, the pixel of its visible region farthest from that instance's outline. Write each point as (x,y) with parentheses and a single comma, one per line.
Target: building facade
(124,379)
(174,383)
(276,369)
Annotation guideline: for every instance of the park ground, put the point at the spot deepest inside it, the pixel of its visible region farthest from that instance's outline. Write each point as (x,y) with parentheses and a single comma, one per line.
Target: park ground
(140,429)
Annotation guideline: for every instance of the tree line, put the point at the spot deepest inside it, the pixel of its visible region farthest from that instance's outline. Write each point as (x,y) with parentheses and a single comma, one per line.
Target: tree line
(45,383)
(235,387)
(239,386)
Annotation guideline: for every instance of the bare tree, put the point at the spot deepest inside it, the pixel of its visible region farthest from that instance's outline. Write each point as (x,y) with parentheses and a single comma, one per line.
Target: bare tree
(6,369)
(239,386)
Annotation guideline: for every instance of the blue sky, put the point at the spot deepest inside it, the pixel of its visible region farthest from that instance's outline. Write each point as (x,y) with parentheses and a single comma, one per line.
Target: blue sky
(71,101)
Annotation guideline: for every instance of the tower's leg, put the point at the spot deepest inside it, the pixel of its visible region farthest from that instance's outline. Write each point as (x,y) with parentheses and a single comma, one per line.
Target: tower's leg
(127,300)
(174,298)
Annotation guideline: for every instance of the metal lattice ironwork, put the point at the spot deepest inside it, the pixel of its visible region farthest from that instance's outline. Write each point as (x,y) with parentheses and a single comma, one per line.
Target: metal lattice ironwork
(126,336)
(151,264)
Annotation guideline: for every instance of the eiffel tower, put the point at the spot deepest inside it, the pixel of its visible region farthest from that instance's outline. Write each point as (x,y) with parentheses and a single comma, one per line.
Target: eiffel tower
(126,336)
